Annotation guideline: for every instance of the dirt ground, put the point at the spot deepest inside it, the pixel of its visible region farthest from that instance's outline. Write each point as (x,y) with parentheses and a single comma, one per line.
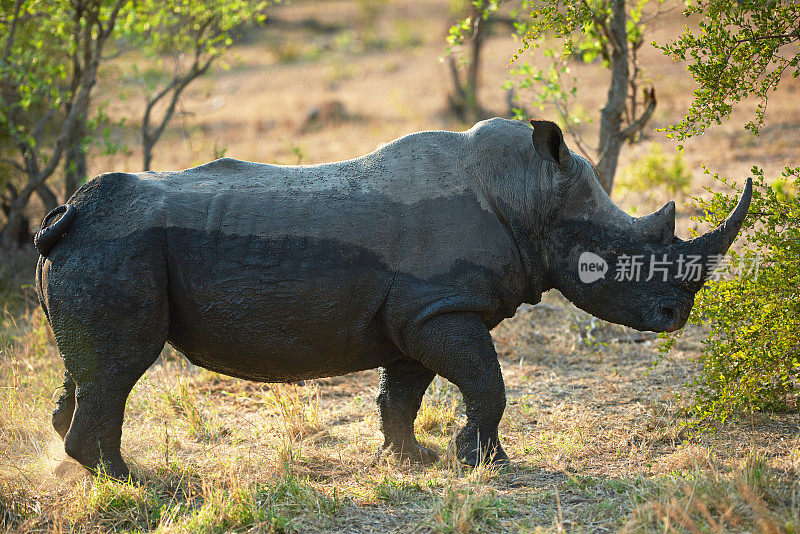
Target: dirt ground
(594,430)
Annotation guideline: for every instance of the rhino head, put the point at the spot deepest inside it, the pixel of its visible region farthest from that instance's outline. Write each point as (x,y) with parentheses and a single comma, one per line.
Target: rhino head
(628,270)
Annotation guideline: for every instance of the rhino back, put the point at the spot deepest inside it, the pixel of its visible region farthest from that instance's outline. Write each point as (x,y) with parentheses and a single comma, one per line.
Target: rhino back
(411,204)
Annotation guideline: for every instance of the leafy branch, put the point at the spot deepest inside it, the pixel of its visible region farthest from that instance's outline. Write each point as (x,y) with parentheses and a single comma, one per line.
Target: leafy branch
(742,48)
(200,30)
(32,95)
(611,30)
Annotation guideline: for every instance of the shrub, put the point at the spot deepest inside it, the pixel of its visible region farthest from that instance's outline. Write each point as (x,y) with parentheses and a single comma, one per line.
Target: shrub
(751,357)
(652,174)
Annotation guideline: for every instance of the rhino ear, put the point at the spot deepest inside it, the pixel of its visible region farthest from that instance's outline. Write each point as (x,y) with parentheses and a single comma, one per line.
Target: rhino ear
(548,141)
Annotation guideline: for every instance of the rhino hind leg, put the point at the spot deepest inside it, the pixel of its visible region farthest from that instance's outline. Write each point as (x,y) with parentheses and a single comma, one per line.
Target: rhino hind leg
(95,435)
(65,407)
(458,347)
(108,336)
(96,432)
(403,384)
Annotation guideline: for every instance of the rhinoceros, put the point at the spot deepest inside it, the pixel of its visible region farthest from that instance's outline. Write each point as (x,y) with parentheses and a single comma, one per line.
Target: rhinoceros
(403,259)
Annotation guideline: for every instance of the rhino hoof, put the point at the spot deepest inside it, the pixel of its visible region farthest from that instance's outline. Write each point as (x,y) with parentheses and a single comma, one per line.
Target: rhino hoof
(114,470)
(414,453)
(496,458)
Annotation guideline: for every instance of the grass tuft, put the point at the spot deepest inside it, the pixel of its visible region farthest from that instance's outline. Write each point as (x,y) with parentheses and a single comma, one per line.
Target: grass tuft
(466,507)
(201,427)
(117,506)
(396,491)
(16,508)
(754,498)
(300,410)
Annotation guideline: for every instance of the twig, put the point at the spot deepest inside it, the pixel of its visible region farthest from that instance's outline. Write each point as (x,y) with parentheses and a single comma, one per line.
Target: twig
(11,32)
(659,12)
(765,37)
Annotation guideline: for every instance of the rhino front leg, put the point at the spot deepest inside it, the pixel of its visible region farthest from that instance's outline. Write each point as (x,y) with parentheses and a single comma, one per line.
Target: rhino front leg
(403,384)
(458,347)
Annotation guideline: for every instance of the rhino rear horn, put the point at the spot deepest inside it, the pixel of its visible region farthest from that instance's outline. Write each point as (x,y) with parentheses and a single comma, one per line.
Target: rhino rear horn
(659,226)
(548,142)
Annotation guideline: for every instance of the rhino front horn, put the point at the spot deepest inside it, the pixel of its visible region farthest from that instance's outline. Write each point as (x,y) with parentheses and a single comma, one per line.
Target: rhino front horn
(717,241)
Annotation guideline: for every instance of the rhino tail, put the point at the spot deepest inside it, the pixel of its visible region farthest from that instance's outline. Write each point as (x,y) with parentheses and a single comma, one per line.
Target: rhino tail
(45,238)
(49,234)
(40,289)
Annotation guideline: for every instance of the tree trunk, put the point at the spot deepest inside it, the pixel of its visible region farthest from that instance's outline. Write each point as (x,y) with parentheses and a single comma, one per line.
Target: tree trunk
(75,162)
(464,100)
(611,116)
(473,108)
(147,151)
(49,199)
(15,233)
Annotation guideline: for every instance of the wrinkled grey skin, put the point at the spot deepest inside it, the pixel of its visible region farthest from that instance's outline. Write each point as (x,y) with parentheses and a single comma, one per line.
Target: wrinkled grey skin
(402,259)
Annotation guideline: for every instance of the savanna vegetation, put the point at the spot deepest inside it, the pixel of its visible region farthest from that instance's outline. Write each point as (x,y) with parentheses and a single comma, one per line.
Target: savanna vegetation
(606,430)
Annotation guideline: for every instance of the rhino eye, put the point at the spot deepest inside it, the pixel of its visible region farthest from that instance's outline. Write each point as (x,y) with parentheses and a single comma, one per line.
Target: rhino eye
(617,246)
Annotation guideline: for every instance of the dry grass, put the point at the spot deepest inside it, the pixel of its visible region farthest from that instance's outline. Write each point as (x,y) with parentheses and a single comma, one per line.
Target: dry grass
(593,447)
(596,441)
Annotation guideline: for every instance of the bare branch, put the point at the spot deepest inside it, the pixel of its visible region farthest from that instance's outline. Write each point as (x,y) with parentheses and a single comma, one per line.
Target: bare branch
(579,142)
(177,90)
(176,86)
(117,53)
(12,163)
(562,107)
(49,198)
(577,137)
(39,128)
(639,124)
(12,190)
(152,101)
(658,12)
